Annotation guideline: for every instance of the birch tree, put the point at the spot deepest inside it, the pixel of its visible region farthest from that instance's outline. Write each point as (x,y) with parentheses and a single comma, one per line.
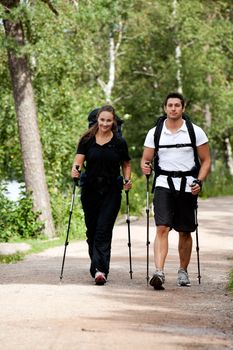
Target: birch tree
(177,50)
(114,45)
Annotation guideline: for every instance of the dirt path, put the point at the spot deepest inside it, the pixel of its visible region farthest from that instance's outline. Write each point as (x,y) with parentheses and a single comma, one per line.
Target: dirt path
(37,312)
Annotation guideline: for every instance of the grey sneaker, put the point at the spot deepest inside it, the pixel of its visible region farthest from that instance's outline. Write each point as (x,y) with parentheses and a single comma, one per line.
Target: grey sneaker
(183,278)
(158,280)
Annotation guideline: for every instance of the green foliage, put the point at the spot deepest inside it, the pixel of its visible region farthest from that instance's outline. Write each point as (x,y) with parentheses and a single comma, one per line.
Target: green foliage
(26,220)
(69,53)
(18,220)
(37,245)
(218,183)
(137,196)
(61,206)
(11,259)
(230,283)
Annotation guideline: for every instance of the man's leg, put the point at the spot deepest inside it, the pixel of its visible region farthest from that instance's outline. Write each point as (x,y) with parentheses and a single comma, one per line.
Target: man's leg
(160,254)
(161,247)
(163,209)
(185,250)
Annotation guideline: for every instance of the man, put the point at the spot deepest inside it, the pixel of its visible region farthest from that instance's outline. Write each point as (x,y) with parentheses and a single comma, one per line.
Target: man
(177,185)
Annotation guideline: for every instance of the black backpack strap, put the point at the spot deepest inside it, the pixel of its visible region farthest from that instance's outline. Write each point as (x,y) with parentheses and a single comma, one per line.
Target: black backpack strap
(178,145)
(192,136)
(190,128)
(157,134)
(158,130)
(172,187)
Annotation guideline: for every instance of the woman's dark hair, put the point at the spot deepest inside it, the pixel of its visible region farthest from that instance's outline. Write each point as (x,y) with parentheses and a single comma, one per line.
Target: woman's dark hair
(91,132)
(175,95)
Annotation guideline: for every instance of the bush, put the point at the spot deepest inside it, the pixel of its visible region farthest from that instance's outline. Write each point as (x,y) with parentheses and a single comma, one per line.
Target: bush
(137,196)
(218,183)
(61,208)
(61,203)
(18,220)
(230,283)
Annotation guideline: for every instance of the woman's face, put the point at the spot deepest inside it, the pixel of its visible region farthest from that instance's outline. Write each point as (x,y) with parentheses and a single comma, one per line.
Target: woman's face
(105,121)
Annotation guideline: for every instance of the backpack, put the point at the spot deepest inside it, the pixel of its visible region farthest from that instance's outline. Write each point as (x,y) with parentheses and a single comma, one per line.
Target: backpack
(92,120)
(182,174)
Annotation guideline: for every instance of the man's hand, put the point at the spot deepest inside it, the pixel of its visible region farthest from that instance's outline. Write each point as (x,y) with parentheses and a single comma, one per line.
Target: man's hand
(196,187)
(146,168)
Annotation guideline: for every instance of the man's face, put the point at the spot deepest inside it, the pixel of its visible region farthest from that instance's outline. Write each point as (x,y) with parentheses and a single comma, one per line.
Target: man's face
(174,108)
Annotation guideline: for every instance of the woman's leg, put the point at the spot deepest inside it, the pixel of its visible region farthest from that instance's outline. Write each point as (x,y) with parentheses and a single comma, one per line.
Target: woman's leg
(91,204)
(108,211)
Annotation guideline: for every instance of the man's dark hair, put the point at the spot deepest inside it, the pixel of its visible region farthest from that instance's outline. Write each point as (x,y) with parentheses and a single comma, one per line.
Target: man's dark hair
(175,95)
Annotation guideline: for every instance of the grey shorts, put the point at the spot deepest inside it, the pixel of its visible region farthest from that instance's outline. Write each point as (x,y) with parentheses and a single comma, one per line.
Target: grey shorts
(176,211)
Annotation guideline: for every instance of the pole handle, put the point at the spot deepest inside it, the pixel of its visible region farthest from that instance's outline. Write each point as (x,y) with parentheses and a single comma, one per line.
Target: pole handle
(76,179)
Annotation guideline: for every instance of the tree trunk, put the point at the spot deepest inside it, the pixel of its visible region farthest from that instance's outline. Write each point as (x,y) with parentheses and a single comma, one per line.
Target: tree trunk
(113,49)
(34,173)
(177,51)
(229,155)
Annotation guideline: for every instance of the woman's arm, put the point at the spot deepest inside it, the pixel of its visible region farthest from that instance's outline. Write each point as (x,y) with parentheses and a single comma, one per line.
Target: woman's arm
(78,161)
(126,170)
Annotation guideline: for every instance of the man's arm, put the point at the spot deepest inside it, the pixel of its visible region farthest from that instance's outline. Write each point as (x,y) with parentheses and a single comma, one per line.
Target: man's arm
(204,156)
(203,152)
(147,157)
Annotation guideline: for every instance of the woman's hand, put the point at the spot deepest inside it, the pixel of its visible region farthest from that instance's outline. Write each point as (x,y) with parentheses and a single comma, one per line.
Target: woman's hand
(127,184)
(75,171)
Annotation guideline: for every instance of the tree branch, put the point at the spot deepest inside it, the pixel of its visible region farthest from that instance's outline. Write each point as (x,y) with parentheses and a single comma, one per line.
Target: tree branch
(52,8)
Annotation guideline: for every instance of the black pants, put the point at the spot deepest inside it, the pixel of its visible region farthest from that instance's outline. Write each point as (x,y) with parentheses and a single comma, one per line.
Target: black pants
(100,211)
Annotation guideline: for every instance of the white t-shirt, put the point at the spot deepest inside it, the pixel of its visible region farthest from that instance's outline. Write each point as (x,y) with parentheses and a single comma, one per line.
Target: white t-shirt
(175,159)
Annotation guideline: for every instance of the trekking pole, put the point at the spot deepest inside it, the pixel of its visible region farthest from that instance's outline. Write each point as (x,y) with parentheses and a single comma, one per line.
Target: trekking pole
(197,246)
(147,228)
(69,221)
(129,240)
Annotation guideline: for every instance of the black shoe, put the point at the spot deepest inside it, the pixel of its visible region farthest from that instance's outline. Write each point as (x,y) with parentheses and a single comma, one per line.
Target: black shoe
(158,280)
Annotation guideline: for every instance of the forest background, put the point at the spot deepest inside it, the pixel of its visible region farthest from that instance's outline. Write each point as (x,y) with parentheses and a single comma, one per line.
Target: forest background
(77,55)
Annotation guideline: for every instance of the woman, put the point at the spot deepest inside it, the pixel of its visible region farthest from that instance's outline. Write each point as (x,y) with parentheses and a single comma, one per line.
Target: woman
(104,154)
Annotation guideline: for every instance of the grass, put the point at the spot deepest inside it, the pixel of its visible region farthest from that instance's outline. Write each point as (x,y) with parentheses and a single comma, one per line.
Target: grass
(37,246)
(230,282)
(11,259)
